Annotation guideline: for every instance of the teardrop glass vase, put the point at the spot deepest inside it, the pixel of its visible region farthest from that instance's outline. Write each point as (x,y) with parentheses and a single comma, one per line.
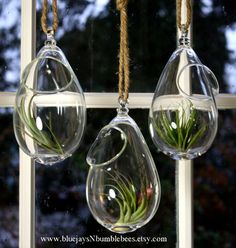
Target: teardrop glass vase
(183,115)
(49,113)
(123,188)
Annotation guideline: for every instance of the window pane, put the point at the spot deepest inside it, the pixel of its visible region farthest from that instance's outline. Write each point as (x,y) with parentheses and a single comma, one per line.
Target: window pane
(215,188)
(214,32)
(61,208)
(9,183)
(9,45)
(89,36)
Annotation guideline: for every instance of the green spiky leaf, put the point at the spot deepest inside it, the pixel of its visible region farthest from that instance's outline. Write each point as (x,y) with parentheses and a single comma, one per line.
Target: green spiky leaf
(43,138)
(131,208)
(185,134)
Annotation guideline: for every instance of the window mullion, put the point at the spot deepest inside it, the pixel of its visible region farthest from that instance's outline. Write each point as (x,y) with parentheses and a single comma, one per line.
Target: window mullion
(184,203)
(27,170)
(136,100)
(184,174)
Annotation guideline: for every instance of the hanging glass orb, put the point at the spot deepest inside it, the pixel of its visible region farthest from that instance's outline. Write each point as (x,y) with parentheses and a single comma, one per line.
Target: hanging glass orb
(50,112)
(123,187)
(183,116)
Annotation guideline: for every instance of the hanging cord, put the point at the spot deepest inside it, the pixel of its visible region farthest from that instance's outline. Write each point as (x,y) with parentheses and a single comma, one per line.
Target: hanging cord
(44,25)
(180,25)
(124,82)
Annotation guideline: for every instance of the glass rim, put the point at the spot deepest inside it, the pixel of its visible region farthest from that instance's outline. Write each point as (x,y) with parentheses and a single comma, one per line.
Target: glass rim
(108,127)
(36,60)
(215,90)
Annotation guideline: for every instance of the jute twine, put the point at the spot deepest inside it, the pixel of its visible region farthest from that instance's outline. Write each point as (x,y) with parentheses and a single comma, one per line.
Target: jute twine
(44,24)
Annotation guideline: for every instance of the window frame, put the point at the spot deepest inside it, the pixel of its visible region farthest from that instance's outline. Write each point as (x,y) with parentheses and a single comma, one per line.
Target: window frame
(184,168)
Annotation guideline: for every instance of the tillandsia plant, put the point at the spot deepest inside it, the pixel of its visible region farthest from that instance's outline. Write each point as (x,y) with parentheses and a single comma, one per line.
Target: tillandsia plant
(183,130)
(44,138)
(132,203)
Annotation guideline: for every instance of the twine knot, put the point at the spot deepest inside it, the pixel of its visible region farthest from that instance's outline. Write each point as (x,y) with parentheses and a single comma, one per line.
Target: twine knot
(121,4)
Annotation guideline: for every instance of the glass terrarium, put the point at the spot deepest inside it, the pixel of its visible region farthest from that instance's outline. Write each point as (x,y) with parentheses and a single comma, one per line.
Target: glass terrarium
(50,111)
(123,187)
(183,116)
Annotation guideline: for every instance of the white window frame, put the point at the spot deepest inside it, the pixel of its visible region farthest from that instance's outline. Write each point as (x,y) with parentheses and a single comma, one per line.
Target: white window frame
(184,171)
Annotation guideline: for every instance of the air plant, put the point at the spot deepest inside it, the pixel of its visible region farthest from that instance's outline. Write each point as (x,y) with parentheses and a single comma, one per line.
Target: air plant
(180,132)
(132,204)
(44,138)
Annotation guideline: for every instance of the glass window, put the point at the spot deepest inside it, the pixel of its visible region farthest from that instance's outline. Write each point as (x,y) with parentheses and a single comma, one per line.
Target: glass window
(61,208)
(89,36)
(215,188)
(9,183)
(9,45)
(214,36)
